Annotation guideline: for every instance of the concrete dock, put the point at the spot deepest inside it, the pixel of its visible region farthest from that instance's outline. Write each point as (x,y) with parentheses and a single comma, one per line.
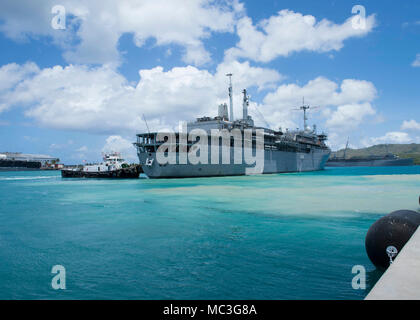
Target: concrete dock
(401,281)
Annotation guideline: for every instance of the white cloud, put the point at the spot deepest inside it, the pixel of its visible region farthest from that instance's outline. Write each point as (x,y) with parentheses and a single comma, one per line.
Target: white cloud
(10,75)
(408,24)
(349,116)
(343,106)
(55,146)
(389,137)
(122,145)
(96,26)
(411,125)
(289,32)
(74,97)
(245,76)
(100,100)
(60,146)
(82,149)
(416,63)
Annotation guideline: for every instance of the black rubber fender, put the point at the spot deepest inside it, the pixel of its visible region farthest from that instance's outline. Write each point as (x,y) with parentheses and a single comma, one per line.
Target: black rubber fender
(395,229)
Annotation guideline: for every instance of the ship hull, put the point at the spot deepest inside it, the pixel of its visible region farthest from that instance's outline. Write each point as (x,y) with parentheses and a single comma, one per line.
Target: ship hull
(371,163)
(125,173)
(274,162)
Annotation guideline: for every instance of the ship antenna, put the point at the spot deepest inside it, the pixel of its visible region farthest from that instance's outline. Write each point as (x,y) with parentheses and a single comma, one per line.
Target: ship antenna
(230,96)
(144,118)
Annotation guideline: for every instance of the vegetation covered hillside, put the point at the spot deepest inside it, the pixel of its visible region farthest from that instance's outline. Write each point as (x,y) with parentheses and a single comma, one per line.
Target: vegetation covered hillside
(401,150)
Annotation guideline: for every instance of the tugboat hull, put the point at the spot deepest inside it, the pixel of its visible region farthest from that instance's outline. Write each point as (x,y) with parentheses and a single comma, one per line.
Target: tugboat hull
(132,172)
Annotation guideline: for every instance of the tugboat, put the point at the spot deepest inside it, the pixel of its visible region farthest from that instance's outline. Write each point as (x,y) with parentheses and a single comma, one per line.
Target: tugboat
(114,166)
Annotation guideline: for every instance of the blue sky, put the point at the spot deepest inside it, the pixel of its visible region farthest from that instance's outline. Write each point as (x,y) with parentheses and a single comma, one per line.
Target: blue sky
(75,92)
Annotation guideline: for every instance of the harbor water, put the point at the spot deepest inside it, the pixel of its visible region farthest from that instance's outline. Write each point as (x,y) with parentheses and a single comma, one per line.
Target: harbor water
(281,236)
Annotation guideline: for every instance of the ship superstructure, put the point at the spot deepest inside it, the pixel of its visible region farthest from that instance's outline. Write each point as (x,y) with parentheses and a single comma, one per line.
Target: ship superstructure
(111,161)
(282,151)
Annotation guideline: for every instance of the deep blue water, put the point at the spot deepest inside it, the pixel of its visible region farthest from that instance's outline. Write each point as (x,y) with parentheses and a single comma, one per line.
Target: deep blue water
(285,236)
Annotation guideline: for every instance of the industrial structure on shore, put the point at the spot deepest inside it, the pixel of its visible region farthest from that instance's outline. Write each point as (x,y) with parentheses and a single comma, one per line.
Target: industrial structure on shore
(16,161)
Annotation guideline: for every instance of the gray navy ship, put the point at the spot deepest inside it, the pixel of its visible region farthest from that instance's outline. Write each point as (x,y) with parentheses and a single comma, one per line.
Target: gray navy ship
(388,160)
(282,151)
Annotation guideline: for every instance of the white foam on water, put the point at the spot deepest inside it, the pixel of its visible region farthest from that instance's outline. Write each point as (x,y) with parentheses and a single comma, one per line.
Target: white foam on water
(26,178)
(400,177)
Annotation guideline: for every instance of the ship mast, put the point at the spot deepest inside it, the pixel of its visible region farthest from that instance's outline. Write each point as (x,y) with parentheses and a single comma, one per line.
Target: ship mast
(245,105)
(230,97)
(305,107)
(305,117)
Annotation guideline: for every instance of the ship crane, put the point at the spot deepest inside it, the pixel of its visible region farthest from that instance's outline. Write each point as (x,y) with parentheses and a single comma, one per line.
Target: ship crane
(262,117)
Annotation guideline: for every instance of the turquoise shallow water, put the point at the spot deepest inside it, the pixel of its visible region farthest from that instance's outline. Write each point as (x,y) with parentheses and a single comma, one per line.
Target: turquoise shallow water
(286,236)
